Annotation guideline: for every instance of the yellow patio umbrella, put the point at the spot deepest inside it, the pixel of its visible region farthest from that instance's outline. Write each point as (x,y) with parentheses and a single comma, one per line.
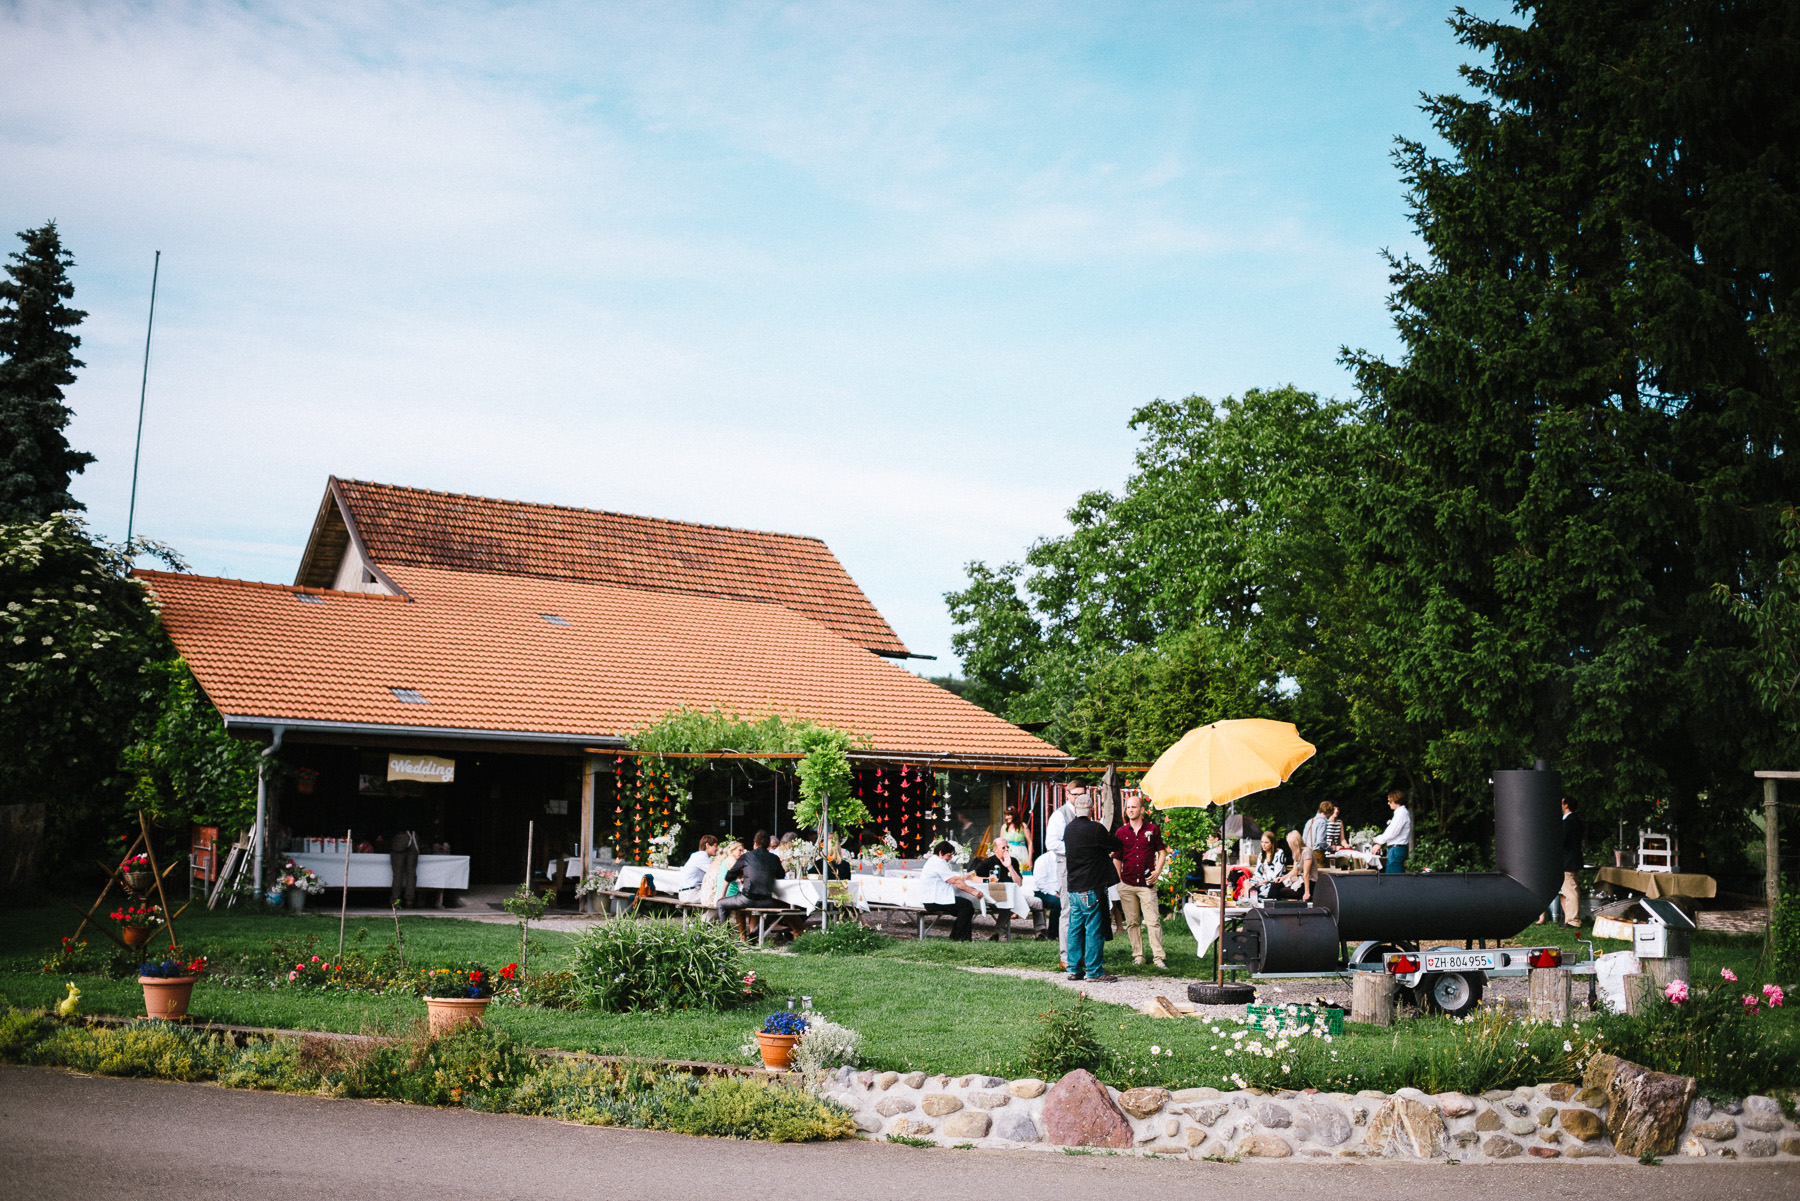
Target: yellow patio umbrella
(1215,765)
(1218,763)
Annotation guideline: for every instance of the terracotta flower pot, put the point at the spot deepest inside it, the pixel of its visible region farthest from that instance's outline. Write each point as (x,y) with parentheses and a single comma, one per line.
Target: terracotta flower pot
(167,996)
(447,1013)
(135,936)
(777,1050)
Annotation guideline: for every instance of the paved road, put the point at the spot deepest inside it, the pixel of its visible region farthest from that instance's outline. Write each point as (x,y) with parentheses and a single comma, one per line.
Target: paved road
(67,1136)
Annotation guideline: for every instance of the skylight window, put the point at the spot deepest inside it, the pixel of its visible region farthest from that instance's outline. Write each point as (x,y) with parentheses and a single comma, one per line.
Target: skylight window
(553,619)
(308,598)
(410,696)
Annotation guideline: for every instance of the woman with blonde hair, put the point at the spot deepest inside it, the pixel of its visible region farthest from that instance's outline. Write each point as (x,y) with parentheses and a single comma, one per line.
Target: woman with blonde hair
(713,887)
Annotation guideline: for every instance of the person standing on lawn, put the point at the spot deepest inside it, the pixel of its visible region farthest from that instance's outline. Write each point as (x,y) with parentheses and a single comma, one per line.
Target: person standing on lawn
(1139,865)
(1088,855)
(1053,844)
(1570,897)
(1398,836)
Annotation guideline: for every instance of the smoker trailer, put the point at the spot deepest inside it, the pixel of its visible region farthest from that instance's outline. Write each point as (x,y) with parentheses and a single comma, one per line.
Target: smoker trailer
(1388,922)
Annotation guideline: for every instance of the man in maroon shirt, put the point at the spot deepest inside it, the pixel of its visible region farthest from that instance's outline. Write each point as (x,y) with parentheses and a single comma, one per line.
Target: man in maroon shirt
(1139,867)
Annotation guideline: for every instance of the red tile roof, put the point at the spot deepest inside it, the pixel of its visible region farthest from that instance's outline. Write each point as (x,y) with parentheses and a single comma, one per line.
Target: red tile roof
(402,527)
(476,645)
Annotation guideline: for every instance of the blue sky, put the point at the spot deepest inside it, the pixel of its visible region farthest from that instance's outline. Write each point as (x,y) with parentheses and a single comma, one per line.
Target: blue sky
(890,274)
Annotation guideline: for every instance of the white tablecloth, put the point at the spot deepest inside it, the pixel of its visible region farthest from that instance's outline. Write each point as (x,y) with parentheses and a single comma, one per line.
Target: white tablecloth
(662,879)
(377,871)
(906,891)
(1203,923)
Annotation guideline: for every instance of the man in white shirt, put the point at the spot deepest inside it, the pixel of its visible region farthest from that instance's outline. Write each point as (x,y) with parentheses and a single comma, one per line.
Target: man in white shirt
(1046,881)
(1053,843)
(1398,836)
(947,891)
(693,872)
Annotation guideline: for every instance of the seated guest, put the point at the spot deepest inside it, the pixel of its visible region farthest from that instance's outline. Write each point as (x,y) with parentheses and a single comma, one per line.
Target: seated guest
(1270,865)
(1000,868)
(1046,881)
(948,891)
(1296,883)
(693,872)
(715,885)
(755,873)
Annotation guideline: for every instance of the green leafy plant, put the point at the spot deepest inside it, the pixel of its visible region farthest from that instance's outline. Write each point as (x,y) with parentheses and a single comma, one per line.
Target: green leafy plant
(148,1048)
(1784,936)
(1714,1034)
(527,906)
(1064,1041)
(630,963)
(843,938)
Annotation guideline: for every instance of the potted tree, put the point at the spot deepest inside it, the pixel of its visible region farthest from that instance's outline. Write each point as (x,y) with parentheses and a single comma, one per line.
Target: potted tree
(454,996)
(776,1040)
(169,983)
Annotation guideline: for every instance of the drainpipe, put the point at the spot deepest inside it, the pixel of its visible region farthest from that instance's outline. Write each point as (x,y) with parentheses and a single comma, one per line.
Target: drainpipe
(262,806)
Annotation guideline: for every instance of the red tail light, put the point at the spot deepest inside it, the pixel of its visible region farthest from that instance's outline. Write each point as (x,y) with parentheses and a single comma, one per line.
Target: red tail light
(1546,957)
(1403,964)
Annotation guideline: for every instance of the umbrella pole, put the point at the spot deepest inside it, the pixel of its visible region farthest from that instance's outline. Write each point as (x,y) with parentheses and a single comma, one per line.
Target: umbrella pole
(1224,886)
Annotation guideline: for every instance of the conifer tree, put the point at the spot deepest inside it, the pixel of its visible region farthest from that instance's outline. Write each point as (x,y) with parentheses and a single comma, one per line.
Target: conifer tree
(37,360)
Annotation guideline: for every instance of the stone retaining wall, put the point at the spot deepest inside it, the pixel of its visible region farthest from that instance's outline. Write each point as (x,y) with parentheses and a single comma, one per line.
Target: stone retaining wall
(1550,1121)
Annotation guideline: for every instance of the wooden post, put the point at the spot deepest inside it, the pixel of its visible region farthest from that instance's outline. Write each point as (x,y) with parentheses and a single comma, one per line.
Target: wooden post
(587,828)
(1372,998)
(1640,992)
(1549,994)
(344,898)
(1665,971)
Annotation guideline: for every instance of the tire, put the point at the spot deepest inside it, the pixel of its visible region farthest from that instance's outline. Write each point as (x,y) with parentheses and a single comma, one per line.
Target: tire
(1221,994)
(1452,993)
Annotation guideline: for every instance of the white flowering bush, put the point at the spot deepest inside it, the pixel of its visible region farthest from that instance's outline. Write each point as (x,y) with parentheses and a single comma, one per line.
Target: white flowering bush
(826,1045)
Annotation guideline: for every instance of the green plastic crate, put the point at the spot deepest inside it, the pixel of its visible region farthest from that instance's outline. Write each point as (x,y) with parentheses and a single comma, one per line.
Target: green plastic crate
(1271,1018)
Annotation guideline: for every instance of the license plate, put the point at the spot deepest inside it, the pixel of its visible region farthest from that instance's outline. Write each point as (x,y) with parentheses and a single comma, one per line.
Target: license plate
(1461,961)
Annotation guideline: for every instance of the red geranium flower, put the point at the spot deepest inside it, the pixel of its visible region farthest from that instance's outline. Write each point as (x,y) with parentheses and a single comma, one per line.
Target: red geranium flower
(509,972)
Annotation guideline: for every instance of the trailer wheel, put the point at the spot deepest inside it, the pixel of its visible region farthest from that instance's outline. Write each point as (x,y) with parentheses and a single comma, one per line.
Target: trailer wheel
(1452,993)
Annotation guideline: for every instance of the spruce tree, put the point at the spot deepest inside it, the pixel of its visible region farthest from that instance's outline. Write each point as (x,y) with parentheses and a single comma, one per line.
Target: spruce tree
(37,360)
(1594,417)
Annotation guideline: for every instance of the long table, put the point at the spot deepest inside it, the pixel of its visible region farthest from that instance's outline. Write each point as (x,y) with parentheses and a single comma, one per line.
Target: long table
(377,871)
(1659,884)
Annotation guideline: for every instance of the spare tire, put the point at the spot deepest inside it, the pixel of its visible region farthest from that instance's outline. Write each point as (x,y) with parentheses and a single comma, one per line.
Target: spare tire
(1221,994)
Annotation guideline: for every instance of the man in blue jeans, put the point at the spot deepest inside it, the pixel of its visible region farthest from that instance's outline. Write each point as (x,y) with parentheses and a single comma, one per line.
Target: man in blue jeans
(1088,851)
(1398,836)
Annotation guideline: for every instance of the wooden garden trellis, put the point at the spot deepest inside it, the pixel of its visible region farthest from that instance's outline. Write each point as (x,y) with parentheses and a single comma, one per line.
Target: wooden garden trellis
(116,875)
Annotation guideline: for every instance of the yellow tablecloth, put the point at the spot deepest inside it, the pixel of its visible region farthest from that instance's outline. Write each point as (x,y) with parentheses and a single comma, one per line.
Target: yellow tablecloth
(1659,884)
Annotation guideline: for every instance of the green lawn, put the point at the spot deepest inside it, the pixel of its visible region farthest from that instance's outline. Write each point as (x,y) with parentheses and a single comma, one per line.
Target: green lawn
(913,1006)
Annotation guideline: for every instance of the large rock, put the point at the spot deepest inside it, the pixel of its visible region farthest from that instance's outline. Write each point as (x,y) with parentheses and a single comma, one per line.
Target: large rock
(1015,1126)
(868,1123)
(1276,1117)
(1645,1109)
(939,1105)
(971,1123)
(1317,1122)
(887,1107)
(1790,1146)
(1455,1105)
(1500,1148)
(1405,1127)
(910,1127)
(1078,1112)
(913,1080)
(887,1080)
(1593,1098)
(1558,1092)
(1762,1114)
(1520,1126)
(1027,1088)
(1583,1125)
(1265,1146)
(1718,1130)
(1143,1102)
